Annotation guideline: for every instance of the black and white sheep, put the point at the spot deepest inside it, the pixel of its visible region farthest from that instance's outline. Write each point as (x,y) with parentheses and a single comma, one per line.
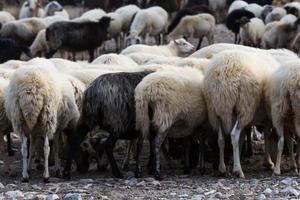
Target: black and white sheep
(76,36)
(113,94)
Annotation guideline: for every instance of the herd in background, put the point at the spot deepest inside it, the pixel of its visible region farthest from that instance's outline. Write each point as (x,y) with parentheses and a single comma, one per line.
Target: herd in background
(46,30)
(186,107)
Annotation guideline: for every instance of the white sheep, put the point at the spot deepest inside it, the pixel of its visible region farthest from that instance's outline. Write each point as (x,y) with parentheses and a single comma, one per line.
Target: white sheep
(5,17)
(255,9)
(170,60)
(40,102)
(148,22)
(115,29)
(218,8)
(174,97)
(233,88)
(237,5)
(143,58)
(126,13)
(281,55)
(53,8)
(174,48)
(282,97)
(91,15)
(12,64)
(289,18)
(201,25)
(23,30)
(275,15)
(251,31)
(198,63)
(114,59)
(279,34)
(31,8)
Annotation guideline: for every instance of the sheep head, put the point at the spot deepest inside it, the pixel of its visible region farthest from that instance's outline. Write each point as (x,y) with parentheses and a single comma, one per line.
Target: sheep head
(183,46)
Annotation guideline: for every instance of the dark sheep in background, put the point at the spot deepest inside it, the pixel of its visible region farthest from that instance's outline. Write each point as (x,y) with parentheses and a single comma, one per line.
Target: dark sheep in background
(75,36)
(108,103)
(232,22)
(260,2)
(187,11)
(10,50)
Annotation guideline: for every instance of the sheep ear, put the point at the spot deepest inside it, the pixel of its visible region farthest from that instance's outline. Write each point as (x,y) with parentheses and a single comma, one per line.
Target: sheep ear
(176,42)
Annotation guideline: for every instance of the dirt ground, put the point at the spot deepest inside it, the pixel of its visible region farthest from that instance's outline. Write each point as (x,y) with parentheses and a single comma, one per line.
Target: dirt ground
(259,184)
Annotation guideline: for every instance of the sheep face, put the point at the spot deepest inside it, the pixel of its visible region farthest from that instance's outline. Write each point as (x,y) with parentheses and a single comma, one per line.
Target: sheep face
(33,4)
(184,46)
(53,7)
(131,40)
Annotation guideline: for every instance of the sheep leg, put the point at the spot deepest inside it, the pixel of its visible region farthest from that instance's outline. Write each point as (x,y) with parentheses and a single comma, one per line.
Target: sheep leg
(187,146)
(221,143)
(297,129)
(235,38)
(109,147)
(126,161)
(3,154)
(235,137)
(158,140)
(199,43)
(31,151)
(151,156)
(46,157)
(280,145)
(56,154)
(9,143)
(24,151)
(138,170)
(267,135)
(91,54)
(290,145)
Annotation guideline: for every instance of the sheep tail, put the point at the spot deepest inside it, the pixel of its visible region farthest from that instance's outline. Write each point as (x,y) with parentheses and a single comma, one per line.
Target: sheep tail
(142,115)
(31,105)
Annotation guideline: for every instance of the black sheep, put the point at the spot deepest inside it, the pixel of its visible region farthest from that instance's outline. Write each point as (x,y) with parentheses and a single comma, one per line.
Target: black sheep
(75,36)
(232,21)
(108,103)
(11,50)
(187,11)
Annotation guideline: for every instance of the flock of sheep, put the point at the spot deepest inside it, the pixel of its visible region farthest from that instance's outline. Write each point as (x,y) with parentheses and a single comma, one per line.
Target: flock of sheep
(147,93)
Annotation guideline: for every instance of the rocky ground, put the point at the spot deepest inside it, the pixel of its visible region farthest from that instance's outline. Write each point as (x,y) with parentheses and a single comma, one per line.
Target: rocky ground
(259,184)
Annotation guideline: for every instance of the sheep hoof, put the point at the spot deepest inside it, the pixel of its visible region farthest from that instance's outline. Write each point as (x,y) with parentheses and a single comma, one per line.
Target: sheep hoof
(66,175)
(238,174)
(25,180)
(158,177)
(46,180)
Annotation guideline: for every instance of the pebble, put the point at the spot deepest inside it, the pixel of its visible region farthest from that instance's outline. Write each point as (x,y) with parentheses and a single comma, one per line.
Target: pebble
(30,195)
(156,183)
(2,186)
(141,184)
(253,181)
(287,181)
(268,192)
(131,182)
(86,180)
(183,196)
(72,196)
(198,197)
(36,187)
(12,195)
(260,197)
(173,193)
(199,190)
(291,191)
(217,195)
(210,192)
(52,197)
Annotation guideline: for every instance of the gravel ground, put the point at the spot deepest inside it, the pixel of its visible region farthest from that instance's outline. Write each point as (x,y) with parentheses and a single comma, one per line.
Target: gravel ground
(259,184)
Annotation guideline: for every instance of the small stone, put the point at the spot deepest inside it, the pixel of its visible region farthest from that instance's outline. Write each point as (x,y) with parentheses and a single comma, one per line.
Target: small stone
(36,187)
(104,197)
(253,181)
(198,197)
(129,175)
(199,190)
(40,197)
(295,183)
(72,196)
(2,186)
(291,191)
(287,181)
(260,197)
(52,197)
(86,180)
(131,182)
(1,162)
(12,195)
(11,185)
(30,195)
(183,196)
(210,192)
(217,195)
(141,184)
(156,183)
(173,193)
(268,192)
(149,179)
